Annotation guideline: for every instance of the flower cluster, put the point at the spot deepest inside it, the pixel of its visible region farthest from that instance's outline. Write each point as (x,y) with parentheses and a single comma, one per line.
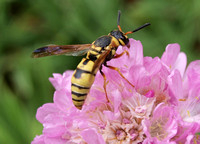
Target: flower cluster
(163,107)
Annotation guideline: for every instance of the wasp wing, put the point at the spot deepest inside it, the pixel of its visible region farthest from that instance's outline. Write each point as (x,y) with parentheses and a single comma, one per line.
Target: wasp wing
(100,60)
(74,50)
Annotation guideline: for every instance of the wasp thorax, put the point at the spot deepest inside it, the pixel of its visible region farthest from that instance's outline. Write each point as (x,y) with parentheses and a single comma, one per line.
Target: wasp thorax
(120,36)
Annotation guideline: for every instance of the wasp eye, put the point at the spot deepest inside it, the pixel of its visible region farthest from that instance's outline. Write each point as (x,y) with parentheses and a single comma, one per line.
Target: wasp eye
(126,41)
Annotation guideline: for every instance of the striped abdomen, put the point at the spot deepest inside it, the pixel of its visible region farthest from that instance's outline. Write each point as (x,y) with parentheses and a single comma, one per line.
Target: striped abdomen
(84,76)
(82,79)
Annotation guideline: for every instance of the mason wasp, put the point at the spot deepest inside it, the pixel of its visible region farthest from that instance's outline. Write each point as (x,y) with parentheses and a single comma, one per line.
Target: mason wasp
(103,49)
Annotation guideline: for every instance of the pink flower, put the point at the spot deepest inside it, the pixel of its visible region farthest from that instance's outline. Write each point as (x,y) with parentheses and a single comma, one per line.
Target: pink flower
(162,108)
(162,125)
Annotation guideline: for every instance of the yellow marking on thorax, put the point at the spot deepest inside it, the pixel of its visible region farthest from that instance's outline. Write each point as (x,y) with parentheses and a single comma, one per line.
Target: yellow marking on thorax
(91,52)
(96,48)
(114,42)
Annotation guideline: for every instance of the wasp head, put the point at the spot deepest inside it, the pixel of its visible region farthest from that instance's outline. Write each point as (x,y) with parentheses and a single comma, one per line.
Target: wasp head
(120,36)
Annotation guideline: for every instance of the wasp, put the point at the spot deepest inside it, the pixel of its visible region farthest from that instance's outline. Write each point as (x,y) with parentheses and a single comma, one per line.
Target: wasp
(103,49)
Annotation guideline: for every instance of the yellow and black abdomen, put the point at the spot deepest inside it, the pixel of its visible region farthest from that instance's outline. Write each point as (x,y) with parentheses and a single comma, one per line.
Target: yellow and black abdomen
(82,79)
(84,75)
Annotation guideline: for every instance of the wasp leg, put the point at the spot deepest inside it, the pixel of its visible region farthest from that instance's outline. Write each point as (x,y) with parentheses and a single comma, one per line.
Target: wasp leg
(104,85)
(121,54)
(117,69)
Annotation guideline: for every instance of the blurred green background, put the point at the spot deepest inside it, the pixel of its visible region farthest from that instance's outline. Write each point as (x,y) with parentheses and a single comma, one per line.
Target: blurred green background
(29,24)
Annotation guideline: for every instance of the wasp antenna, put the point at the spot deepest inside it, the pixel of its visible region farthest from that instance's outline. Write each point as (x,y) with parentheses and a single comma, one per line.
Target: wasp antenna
(118,20)
(139,28)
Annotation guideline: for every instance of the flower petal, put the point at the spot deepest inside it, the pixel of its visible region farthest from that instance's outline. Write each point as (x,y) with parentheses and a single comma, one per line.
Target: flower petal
(162,125)
(92,137)
(170,55)
(38,140)
(180,63)
(175,84)
(44,111)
